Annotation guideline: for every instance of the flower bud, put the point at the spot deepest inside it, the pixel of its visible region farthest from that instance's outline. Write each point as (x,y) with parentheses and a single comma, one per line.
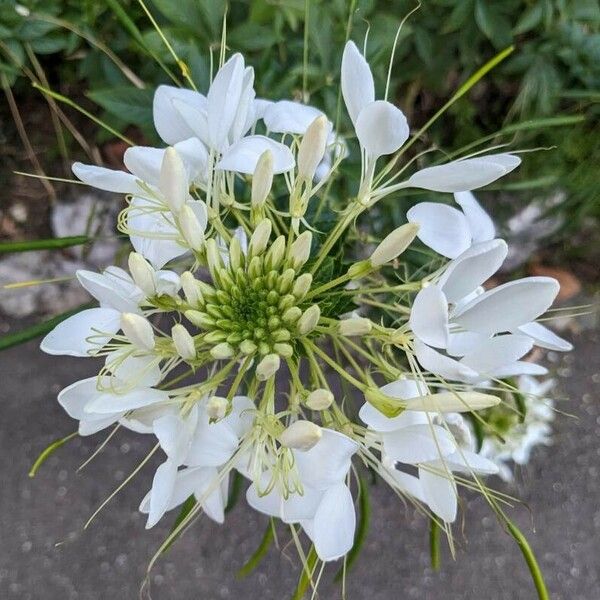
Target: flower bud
(355,326)
(267,367)
(389,406)
(301,435)
(236,256)
(312,147)
(184,342)
(192,292)
(260,238)
(300,249)
(285,281)
(138,331)
(199,319)
(309,319)
(302,285)
(275,254)
(320,399)
(190,228)
(173,181)
(222,351)
(291,315)
(359,269)
(394,244)
(216,407)
(213,256)
(248,347)
(262,180)
(142,273)
(285,350)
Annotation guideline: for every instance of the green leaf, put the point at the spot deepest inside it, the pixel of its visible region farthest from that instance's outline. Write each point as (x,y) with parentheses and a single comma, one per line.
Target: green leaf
(530,19)
(305,577)
(47,244)
(259,553)
(126,102)
(186,509)
(48,451)
(234,491)
(364,514)
(492,23)
(39,329)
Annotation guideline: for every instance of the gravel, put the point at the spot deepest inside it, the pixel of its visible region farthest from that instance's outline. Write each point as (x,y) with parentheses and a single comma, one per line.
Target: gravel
(46,554)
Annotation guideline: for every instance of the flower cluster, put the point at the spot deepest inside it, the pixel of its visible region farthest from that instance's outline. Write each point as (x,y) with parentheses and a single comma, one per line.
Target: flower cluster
(229,356)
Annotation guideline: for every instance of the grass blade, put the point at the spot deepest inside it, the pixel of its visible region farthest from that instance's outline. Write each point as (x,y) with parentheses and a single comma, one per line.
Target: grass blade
(46,244)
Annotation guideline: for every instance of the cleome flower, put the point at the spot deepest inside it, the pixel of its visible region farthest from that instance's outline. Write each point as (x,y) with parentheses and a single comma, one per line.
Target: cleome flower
(242,334)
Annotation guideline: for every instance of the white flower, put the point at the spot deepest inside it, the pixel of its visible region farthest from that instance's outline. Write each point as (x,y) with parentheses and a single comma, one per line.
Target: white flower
(325,508)
(520,439)
(414,438)
(457,316)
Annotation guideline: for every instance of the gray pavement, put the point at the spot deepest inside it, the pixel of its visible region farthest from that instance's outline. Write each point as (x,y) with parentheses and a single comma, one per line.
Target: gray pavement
(45,555)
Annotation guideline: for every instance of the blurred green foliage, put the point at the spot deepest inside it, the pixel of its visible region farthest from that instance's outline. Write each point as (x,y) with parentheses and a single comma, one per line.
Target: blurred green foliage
(555,69)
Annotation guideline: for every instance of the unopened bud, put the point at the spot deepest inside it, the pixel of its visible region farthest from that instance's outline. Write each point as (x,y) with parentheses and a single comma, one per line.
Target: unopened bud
(248,347)
(173,181)
(142,273)
(301,435)
(260,238)
(394,244)
(190,228)
(213,256)
(302,285)
(138,331)
(355,326)
(199,319)
(309,319)
(222,351)
(262,180)
(191,289)
(267,367)
(216,407)
(236,256)
(312,147)
(320,399)
(300,249)
(183,341)
(359,269)
(275,254)
(285,350)
(291,315)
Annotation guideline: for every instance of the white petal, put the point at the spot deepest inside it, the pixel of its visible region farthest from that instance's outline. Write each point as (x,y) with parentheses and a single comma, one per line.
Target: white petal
(497,352)
(289,117)
(260,107)
(106,179)
(107,292)
(74,397)
(519,367)
(481,224)
(141,420)
(161,492)
(334,523)
(473,267)
(78,335)
(242,415)
(168,283)
(441,227)
(212,444)
(508,306)
(404,389)
(298,507)
(452,402)
(429,317)
(418,443)
(194,118)
(168,122)
(106,402)
(441,365)
(440,493)
(123,283)
(195,158)
(328,461)
(381,128)
(468,462)
(544,337)
(463,175)
(223,100)
(377,421)
(358,87)
(269,504)
(461,342)
(144,162)
(408,484)
(243,156)
(91,426)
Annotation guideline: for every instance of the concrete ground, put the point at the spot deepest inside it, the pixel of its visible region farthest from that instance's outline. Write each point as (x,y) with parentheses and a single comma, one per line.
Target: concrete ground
(45,554)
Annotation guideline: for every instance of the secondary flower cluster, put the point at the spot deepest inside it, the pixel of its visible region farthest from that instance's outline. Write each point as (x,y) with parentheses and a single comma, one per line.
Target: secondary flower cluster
(229,355)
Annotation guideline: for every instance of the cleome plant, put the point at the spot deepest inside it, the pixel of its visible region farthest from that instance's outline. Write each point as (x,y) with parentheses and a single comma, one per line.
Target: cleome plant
(257,340)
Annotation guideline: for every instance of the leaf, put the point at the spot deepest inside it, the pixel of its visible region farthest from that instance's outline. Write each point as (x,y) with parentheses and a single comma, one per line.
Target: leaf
(530,19)
(259,553)
(48,451)
(234,491)
(126,102)
(47,244)
(492,23)
(305,577)
(364,513)
(186,509)
(39,329)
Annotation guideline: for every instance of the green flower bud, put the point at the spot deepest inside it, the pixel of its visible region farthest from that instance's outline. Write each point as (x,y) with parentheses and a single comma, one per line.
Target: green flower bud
(309,319)
(222,351)
(260,238)
(262,180)
(355,326)
(302,285)
(394,244)
(300,249)
(191,289)
(199,319)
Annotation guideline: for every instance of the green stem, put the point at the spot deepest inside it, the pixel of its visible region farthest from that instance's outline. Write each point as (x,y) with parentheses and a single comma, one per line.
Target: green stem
(434,544)
(305,578)
(45,454)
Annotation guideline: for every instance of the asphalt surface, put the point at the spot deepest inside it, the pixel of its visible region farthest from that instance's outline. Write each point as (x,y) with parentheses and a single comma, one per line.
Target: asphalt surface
(46,555)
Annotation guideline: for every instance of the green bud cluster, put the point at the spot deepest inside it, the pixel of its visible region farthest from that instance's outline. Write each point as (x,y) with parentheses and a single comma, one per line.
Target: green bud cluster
(255,302)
